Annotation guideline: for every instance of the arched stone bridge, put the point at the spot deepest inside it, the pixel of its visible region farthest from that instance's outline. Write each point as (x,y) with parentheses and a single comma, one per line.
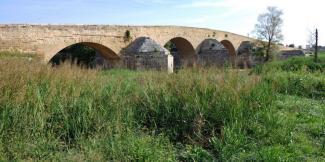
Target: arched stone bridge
(47,40)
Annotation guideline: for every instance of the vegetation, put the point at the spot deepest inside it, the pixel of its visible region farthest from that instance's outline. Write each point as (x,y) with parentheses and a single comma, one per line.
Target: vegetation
(17,55)
(72,114)
(79,54)
(296,76)
(269,29)
(127,36)
(297,64)
(170,46)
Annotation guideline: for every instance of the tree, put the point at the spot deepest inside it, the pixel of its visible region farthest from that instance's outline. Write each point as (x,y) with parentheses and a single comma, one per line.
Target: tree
(269,29)
(292,45)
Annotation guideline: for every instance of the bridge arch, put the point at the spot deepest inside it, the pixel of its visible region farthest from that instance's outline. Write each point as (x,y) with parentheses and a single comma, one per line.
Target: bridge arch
(231,50)
(230,47)
(145,53)
(213,52)
(98,53)
(244,54)
(182,50)
(245,48)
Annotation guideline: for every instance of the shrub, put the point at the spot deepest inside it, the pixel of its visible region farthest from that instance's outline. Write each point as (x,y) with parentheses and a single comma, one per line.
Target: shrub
(306,85)
(292,65)
(127,36)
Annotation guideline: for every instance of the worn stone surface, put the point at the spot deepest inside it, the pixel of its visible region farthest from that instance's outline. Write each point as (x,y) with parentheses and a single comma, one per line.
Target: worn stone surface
(286,54)
(144,45)
(144,53)
(213,53)
(245,48)
(244,55)
(47,40)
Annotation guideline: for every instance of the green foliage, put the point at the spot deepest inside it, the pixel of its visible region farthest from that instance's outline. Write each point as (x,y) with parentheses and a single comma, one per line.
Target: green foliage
(259,51)
(72,114)
(170,46)
(307,85)
(79,54)
(18,55)
(297,64)
(127,36)
(196,154)
(138,148)
(296,76)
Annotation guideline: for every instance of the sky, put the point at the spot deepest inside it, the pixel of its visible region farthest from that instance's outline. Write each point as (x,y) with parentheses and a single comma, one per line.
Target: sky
(236,16)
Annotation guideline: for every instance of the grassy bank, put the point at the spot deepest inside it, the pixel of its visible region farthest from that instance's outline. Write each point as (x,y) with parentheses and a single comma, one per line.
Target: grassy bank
(297,76)
(119,115)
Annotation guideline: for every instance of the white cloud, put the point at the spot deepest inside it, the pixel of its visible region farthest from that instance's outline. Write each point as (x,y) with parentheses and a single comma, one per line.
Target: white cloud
(238,16)
(299,16)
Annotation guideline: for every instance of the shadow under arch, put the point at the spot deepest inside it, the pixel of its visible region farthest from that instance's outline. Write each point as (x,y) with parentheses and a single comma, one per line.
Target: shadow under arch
(231,50)
(87,54)
(244,54)
(213,53)
(183,52)
(245,47)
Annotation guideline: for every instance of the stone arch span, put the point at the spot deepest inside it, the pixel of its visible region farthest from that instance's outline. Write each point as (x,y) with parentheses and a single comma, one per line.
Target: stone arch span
(230,47)
(244,54)
(211,52)
(182,50)
(108,55)
(231,50)
(145,53)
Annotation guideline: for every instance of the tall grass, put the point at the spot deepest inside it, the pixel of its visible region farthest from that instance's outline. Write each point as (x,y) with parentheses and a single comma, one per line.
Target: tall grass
(297,76)
(72,114)
(296,64)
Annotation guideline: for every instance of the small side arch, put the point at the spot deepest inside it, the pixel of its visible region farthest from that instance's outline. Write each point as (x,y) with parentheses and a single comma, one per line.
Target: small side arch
(183,52)
(231,50)
(244,55)
(230,47)
(212,53)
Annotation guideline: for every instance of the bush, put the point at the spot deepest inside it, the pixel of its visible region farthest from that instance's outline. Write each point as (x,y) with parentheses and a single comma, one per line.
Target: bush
(296,76)
(292,65)
(306,85)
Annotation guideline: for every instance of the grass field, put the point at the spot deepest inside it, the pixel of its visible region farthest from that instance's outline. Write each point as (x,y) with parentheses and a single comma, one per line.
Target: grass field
(275,112)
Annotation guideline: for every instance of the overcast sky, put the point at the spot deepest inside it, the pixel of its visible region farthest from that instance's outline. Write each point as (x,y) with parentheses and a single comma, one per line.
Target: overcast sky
(237,16)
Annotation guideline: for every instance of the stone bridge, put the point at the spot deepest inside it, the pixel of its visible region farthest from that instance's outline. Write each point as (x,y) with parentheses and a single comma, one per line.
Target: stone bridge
(47,40)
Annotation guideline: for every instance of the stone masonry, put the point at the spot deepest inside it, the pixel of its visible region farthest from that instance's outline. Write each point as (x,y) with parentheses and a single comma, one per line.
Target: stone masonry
(47,40)
(212,52)
(144,53)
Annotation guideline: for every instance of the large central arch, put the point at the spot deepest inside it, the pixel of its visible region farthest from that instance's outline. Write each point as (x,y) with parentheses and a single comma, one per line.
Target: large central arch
(103,55)
(183,52)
